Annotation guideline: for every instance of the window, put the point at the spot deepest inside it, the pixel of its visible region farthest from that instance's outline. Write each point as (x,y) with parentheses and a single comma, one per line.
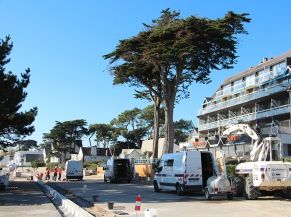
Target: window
(250,80)
(289,149)
(227,89)
(279,68)
(169,163)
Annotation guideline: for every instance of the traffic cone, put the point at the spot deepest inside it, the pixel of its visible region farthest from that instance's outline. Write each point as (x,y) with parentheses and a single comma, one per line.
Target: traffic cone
(137,203)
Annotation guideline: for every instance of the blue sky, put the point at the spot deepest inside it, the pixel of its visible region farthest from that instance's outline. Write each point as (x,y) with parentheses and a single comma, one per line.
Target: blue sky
(63,42)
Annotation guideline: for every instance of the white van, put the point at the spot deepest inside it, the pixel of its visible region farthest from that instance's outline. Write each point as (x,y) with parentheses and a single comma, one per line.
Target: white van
(118,170)
(4,179)
(185,171)
(74,170)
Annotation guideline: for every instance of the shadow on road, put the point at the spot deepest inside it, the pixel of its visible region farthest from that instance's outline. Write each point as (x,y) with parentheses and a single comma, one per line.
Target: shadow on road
(22,193)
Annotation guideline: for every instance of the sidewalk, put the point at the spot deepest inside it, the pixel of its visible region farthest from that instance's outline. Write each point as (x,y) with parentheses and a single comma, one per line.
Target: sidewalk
(25,198)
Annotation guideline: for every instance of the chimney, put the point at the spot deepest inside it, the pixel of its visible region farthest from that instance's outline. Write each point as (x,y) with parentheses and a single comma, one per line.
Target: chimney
(265,59)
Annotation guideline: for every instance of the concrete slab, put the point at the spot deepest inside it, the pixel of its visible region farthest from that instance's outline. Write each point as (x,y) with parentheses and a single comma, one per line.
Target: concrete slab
(25,198)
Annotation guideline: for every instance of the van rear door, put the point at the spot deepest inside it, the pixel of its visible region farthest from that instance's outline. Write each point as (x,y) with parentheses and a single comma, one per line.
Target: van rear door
(194,169)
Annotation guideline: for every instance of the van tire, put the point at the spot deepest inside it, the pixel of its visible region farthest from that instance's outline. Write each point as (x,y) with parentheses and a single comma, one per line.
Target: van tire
(229,196)
(286,194)
(156,187)
(179,189)
(105,180)
(207,194)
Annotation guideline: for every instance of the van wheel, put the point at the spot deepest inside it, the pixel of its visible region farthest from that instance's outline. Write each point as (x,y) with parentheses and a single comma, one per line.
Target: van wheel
(156,187)
(179,189)
(207,194)
(105,180)
(229,196)
(111,180)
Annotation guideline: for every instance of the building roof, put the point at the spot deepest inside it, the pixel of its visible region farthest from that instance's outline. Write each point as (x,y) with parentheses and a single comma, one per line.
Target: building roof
(87,151)
(259,67)
(103,152)
(129,151)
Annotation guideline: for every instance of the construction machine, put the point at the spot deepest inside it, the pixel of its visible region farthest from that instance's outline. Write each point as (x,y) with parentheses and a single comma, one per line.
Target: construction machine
(266,173)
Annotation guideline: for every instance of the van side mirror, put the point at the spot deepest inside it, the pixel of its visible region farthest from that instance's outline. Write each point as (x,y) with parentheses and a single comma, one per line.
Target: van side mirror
(104,168)
(158,169)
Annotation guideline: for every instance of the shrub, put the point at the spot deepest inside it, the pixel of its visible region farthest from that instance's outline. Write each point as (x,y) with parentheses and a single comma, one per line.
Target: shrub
(230,169)
(91,165)
(36,164)
(53,165)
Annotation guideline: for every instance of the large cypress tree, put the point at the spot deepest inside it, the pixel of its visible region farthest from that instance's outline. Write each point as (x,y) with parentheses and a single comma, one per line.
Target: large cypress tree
(14,123)
(181,51)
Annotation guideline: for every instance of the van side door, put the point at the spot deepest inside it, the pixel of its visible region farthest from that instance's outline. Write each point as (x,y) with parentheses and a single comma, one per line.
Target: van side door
(168,174)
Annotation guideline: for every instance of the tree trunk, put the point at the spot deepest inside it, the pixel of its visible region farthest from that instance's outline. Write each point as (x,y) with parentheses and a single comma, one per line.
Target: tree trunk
(169,138)
(156,130)
(170,90)
(166,143)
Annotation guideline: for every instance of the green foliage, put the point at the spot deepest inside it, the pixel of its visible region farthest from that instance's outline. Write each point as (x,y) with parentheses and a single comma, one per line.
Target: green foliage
(36,164)
(147,119)
(14,125)
(91,165)
(172,53)
(287,159)
(25,145)
(130,125)
(104,134)
(53,165)
(230,169)
(65,135)
(183,129)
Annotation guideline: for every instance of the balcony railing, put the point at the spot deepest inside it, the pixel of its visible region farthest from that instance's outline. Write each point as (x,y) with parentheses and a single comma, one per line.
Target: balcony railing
(246,118)
(245,98)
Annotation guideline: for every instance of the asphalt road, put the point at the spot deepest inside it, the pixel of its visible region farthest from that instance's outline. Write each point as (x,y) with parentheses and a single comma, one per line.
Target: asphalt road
(168,204)
(25,198)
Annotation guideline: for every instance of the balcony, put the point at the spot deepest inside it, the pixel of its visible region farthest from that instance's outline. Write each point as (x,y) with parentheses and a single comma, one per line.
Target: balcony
(275,88)
(246,118)
(245,98)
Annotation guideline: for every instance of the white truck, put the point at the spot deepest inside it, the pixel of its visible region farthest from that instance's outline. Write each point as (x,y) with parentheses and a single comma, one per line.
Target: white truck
(118,170)
(74,170)
(192,170)
(266,173)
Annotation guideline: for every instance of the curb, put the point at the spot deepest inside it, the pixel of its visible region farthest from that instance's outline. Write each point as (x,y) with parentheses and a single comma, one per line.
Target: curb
(58,198)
